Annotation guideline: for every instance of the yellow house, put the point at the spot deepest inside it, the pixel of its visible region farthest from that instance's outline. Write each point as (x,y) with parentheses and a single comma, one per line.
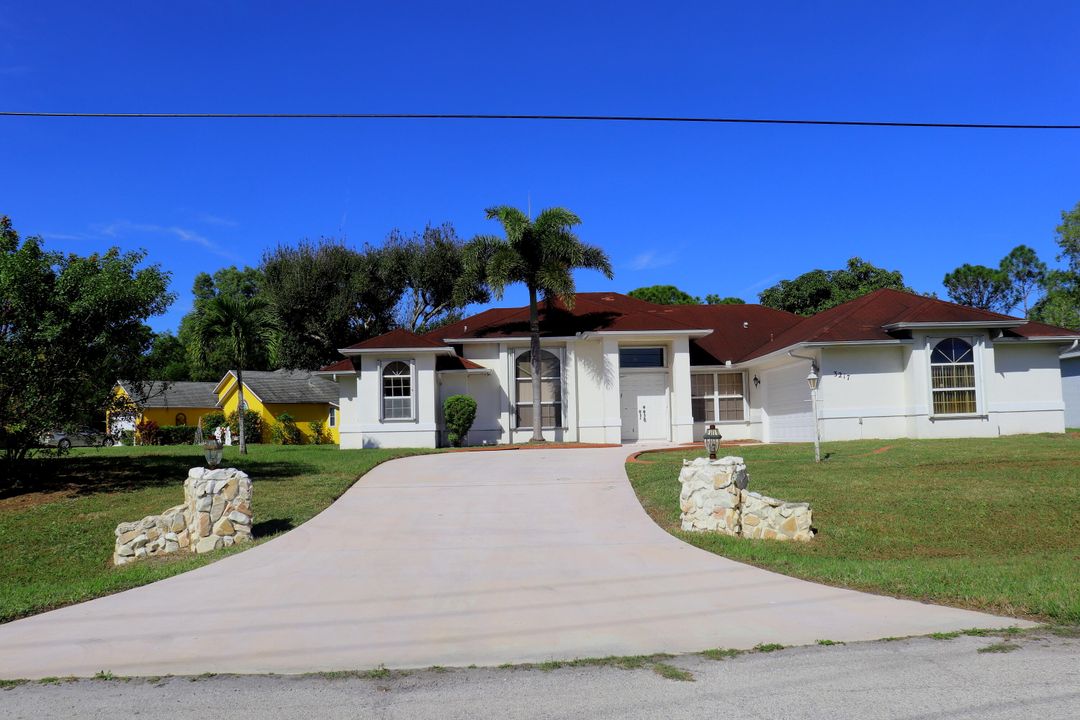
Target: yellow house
(306,397)
(166,403)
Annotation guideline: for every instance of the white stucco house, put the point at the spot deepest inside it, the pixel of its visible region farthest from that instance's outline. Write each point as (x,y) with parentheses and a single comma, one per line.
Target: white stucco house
(1070,386)
(619,370)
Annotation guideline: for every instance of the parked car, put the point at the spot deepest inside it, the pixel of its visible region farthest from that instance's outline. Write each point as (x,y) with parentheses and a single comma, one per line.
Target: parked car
(80,437)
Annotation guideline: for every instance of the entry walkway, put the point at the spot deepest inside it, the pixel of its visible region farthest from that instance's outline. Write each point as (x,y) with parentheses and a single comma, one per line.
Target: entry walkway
(457,559)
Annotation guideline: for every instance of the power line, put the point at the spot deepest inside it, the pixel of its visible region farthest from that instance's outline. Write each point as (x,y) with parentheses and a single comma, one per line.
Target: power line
(574,118)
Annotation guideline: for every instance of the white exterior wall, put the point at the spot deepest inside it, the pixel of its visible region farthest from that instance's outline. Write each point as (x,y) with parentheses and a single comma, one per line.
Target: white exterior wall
(361,424)
(1070,389)
(862,393)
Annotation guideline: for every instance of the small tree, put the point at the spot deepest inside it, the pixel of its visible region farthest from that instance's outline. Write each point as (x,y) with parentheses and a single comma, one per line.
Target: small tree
(146,432)
(1027,273)
(318,432)
(459,412)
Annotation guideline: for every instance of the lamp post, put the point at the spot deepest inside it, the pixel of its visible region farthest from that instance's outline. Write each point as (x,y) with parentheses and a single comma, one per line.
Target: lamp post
(212,447)
(812,381)
(712,439)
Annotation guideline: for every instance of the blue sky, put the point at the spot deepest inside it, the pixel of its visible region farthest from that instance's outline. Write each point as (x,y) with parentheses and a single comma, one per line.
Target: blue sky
(725,209)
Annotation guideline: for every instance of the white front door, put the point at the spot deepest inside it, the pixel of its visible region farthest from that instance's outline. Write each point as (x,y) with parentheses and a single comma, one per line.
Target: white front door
(644,406)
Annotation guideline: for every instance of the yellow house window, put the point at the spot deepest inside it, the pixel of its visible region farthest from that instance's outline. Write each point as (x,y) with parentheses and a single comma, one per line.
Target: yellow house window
(333,417)
(181,419)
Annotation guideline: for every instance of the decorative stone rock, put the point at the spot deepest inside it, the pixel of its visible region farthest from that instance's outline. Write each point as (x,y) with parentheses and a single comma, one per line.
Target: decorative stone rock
(715,498)
(216,513)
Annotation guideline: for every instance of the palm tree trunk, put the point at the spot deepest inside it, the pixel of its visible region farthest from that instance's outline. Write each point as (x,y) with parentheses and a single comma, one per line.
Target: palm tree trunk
(534,355)
(240,409)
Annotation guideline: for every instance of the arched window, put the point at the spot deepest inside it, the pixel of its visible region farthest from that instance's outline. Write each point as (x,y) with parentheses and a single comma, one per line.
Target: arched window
(550,390)
(952,374)
(397,391)
(181,419)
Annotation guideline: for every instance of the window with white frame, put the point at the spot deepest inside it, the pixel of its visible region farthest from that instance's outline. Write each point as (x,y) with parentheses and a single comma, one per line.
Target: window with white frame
(717,397)
(952,377)
(641,357)
(550,390)
(397,394)
(333,417)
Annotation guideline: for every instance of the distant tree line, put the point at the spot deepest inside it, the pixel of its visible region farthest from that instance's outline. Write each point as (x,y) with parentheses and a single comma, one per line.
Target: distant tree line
(1020,283)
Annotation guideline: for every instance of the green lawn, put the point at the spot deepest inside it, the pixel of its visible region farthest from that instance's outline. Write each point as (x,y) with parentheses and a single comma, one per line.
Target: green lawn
(989,524)
(56,541)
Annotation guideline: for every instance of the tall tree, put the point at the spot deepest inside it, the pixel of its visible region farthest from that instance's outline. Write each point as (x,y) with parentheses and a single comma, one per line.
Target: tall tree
(819,290)
(243,327)
(328,296)
(542,254)
(1068,238)
(1025,271)
(70,326)
(431,269)
(234,282)
(664,295)
(981,287)
(167,359)
(1060,303)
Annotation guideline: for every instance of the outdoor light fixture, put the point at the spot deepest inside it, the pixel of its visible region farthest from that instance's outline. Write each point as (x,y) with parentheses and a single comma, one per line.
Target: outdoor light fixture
(212,447)
(756,381)
(812,380)
(712,441)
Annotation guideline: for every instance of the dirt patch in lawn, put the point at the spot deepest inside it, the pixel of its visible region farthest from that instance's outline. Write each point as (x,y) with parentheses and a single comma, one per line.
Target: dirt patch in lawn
(33,499)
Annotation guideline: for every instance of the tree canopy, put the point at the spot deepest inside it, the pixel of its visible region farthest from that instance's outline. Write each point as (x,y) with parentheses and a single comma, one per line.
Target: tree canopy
(1026,273)
(70,326)
(664,295)
(981,287)
(820,290)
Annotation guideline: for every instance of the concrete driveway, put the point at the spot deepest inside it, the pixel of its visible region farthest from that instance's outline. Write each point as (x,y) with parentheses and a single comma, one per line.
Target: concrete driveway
(458,559)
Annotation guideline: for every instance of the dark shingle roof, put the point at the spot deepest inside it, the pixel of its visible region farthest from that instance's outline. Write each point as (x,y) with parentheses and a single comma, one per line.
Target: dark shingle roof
(162,394)
(291,386)
(399,338)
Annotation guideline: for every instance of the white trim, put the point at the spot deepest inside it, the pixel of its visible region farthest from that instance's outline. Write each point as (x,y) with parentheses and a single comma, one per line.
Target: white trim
(965,324)
(591,334)
(397,351)
(977,343)
(1041,339)
(509,339)
(716,397)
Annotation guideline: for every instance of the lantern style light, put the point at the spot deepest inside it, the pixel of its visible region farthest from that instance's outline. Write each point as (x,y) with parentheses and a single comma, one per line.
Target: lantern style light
(812,379)
(712,439)
(213,448)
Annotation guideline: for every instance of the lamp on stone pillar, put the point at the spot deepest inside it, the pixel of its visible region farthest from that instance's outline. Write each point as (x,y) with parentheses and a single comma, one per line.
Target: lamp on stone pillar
(812,380)
(712,440)
(212,446)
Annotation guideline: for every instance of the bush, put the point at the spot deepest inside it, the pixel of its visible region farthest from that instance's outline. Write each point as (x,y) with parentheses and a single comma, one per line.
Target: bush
(252,426)
(176,435)
(146,432)
(127,437)
(211,420)
(285,431)
(459,411)
(318,433)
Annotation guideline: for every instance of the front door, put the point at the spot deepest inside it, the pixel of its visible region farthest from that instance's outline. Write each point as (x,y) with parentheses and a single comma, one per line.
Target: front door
(644,407)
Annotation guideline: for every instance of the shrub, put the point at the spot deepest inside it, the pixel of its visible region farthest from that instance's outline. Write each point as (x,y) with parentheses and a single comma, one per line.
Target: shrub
(318,432)
(127,437)
(459,412)
(176,435)
(211,420)
(252,426)
(146,432)
(285,431)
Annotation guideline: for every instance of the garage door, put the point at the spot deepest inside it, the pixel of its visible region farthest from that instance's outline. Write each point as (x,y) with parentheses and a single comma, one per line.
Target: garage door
(788,417)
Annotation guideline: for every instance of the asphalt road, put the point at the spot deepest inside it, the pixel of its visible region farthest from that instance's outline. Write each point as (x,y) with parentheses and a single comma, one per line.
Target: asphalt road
(916,679)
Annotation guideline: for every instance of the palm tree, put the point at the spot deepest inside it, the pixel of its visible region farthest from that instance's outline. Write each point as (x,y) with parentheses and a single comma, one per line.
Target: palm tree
(541,253)
(241,325)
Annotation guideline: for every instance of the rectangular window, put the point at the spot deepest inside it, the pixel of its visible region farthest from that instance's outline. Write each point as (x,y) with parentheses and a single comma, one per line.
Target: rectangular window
(333,417)
(717,397)
(397,391)
(952,377)
(550,390)
(641,357)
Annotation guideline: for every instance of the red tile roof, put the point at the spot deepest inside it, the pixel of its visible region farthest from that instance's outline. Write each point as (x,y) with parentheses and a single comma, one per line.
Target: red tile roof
(454,362)
(399,338)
